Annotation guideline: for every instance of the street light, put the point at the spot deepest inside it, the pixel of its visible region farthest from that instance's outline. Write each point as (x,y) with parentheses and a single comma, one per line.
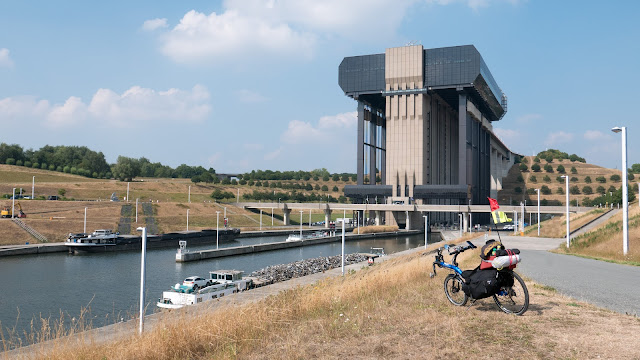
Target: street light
(426,230)
(566,180)
(33,187)
(625,198)
(217,229)
(538,191)
(142,275)
(301,211)
(13,204)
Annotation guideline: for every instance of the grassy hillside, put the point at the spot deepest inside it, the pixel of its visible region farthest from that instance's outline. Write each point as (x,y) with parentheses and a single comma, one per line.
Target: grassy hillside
(509,195)
(56,219)
(389,310)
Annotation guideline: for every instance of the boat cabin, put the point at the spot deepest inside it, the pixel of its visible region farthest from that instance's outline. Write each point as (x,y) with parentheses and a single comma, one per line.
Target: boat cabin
(225,276)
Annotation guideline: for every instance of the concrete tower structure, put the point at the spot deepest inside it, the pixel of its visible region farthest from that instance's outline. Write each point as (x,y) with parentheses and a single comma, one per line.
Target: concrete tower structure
(424,129)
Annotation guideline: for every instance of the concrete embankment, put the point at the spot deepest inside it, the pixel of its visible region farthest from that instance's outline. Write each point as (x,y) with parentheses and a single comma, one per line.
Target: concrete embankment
(249,249)
(32,249)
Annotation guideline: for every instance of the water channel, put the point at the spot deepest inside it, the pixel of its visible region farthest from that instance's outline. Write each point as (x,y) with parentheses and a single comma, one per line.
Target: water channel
(108,284)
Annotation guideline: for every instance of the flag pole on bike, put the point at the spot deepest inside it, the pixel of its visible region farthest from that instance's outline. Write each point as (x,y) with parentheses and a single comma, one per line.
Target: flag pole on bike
(497,216)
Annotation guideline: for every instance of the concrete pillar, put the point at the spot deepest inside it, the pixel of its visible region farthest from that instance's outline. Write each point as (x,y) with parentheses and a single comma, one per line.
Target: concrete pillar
(462,140)
(465,222)
(327,218)
(287,217)
(373,124)
(377,218)
(360,144)
(408,224)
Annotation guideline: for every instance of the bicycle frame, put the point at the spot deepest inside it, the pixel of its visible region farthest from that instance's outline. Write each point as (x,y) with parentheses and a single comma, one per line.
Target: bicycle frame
(442,264)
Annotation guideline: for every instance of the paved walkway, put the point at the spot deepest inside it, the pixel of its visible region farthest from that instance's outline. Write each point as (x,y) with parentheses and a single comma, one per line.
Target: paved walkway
(611,286)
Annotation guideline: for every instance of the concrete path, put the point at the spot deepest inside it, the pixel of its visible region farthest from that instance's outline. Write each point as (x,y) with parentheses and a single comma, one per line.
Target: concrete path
(596,223)
(611,286)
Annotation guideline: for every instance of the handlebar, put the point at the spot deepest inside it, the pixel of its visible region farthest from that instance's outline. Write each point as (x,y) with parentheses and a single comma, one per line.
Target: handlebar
(453,250)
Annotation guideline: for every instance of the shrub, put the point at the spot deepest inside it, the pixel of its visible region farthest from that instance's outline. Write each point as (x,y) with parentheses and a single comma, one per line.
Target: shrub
(533,178)
(317,187)
(535,167)
(10,161)
(545,190)
(325,188)
(587,190)
(611,189)
(35,165)
(573,170)
(546,179)
(523,167)
(520,178)
(62,192)
(560,179)
(587,179)
(354,178)
(243,182)
(335,188)
(531,191)
(560,169)
(518,190)
(44,166)
(601,179)
(548,168)
(630,176)
(525,160)
(251,182)
(316,177)
(560,190)
(549,159)
(325,178)
(19,163)
(600,190)
(544,202)
(574,190)
(615,178)
(574,158)
(574,179)
(335,177)
(52,167)
(536,159)
(258,183)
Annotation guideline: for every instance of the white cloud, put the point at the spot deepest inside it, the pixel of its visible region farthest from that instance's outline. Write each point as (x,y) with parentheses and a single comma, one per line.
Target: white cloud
(5,60)
(109,108)
(154,24)
(300,132)
(474,4)
(214,37)
(251,97)
(559,137)
(507,136)
(274,154)
(593,135)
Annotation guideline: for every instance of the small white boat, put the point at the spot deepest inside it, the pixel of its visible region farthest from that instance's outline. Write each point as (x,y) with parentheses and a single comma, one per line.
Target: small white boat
(223,283)
(315,235)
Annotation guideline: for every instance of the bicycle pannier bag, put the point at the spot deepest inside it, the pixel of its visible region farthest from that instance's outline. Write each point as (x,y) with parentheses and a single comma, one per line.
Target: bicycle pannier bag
(482,284)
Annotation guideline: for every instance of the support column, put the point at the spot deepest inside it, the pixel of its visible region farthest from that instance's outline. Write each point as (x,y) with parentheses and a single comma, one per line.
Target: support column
(465,222)
(462,140)
(383,154)
(373,124)
(360,144)
(377,218)
(287,217)
(408,223)
(327,218)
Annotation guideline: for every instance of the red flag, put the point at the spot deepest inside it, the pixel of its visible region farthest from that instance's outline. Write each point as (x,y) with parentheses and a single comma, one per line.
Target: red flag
(494,204)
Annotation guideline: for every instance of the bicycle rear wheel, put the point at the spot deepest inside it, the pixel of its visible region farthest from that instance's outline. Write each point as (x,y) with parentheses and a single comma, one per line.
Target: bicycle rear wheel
(453,290)
(513,299)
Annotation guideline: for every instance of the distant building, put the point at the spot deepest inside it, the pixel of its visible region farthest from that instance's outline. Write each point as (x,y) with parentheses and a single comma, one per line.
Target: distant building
(425,128)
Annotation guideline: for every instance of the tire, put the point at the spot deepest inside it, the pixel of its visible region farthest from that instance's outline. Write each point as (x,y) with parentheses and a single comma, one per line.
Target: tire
(453,290)
(515,299)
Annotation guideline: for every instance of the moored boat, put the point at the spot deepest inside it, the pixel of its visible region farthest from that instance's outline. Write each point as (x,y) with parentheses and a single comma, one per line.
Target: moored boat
(221,283)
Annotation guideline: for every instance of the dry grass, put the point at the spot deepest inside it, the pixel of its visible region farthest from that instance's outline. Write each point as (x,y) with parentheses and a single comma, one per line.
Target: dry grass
(390,310)
(605,242)
(557,227)
(375,229)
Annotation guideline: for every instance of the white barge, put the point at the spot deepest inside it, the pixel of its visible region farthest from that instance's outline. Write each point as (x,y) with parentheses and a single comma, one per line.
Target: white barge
(222,283)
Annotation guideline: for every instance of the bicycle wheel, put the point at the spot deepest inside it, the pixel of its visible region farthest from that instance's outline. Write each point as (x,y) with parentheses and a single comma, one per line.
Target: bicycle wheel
(453,290)
(513,299)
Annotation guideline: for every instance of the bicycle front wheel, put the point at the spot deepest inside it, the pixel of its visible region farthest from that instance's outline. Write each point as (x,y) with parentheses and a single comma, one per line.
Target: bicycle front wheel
(453,290)
(513,299)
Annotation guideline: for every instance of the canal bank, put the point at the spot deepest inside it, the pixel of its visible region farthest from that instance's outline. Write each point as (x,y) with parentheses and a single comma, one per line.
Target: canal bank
(187,256)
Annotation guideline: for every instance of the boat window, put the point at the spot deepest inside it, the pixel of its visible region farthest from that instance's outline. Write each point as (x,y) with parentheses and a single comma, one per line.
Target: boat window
(228,277)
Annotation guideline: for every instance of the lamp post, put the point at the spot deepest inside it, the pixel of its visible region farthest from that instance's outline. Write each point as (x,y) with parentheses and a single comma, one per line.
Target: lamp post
(460,221)
(625,197)
(217,228)
(187,219)
(127,192)
(13,204)
(142,275)
(343,221)
(260,219)
(301,211)
(272,217)
(566,180)
(538,191)
(33,187)
(426,230)
(85,221)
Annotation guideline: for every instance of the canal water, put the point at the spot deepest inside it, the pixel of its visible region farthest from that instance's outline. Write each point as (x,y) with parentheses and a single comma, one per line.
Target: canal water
(107,285)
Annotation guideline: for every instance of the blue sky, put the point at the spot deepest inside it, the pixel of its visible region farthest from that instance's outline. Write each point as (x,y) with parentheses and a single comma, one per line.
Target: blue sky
(241,85)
